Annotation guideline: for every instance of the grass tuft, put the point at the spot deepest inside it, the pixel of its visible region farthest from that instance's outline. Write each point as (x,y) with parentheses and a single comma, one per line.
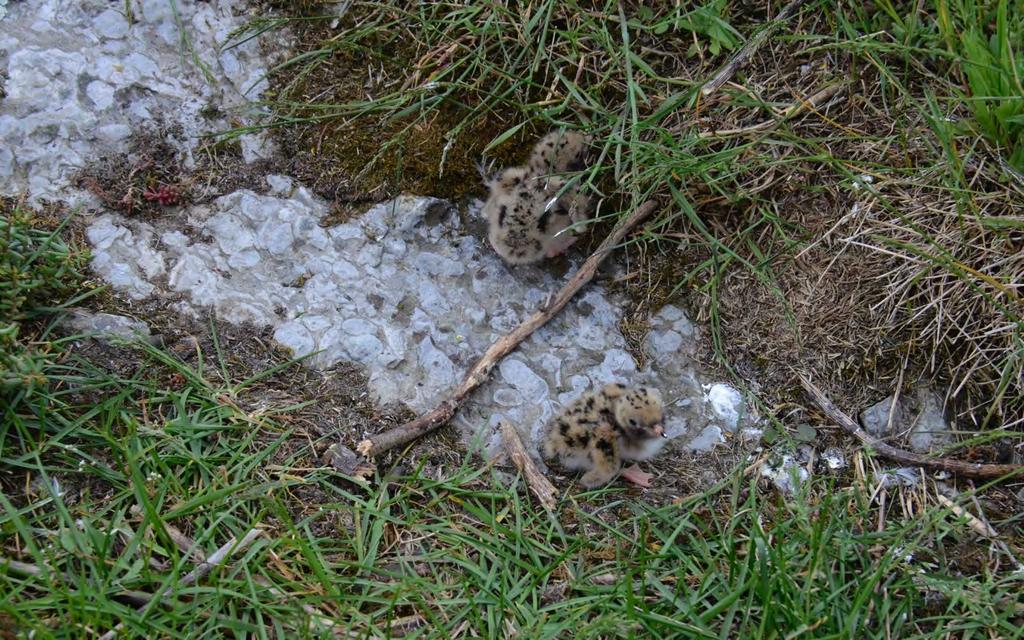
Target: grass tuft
(37,268)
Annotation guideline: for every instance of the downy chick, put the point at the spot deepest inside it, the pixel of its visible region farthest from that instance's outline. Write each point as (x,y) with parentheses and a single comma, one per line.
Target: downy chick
(558,153)
(523,216)
(600,430)
(529,208)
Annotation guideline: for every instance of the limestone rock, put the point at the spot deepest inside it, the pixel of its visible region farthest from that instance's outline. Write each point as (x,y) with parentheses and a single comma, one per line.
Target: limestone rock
(918,414)
(108,327)
(79,78)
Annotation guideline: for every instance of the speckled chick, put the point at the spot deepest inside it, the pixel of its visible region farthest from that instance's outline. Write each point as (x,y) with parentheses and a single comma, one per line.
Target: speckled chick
(559,153)
(601,429)
(524,216)
(529,208)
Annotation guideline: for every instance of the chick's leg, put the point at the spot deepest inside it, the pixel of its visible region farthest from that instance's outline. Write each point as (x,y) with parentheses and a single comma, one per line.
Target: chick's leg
(637,476)
(560,244)
(604,458)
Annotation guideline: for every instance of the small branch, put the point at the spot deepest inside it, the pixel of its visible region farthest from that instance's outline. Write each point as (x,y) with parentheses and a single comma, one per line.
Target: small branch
(226,550)
(973,522)
(26,569)
(967,469)
(537,481)
(134,598)
(381,442)
(749,48)
(813,102)
(201,570)
(186,545)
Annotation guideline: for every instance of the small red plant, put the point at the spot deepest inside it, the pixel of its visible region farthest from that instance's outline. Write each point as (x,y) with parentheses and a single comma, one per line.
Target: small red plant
(165,194)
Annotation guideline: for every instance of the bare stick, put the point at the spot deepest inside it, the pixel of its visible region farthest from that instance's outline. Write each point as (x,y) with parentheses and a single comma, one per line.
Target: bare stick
(749,48)
(200,571)
(813,102)
(381,442)
(26,569)
(185,544)
(230,547)
(537,481)
(982,529)
(967,469)
(135,598)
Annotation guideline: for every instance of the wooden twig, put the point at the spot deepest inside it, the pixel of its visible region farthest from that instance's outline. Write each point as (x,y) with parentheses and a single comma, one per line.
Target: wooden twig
(376,444)
(537,481)
(967,469)
(749,48)
(812,102)
(979,527)
(132,597)
(186,545)
(232,546)
(26,569)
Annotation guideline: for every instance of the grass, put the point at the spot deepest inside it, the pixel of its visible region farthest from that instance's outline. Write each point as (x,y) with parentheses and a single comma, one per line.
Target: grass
(104,474)
(36,267)
(992,71)
(876,231)
(900,183)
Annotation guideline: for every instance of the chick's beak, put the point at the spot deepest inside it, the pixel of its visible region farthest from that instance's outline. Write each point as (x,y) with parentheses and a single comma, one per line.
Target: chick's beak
(659,430)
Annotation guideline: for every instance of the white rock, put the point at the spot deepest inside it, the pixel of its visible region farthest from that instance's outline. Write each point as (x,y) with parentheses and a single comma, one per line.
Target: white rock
(107,326)
(787,474)
(363,348)
(279,185)
(834,458)
(113,133)
(440,371)
(358,326)
(245,259)
(670,313)
(508,397)
(900,477)
(111,24)
(727,404)
(523,378)
(347,231)
(344,270)
(662,343)
(618,364)
(436,265)
(710,437)
(68,62)
(104,232)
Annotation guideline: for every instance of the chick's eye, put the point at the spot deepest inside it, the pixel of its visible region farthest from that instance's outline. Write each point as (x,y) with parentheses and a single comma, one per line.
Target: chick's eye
(632,422)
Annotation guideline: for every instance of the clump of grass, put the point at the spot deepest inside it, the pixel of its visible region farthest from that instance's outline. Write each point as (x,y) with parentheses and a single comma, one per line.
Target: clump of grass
(449,84)
(37,269)
(982,36)
(448,553)
(948,237)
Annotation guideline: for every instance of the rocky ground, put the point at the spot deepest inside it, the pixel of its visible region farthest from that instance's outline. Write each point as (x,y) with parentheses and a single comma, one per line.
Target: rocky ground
(408,290)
